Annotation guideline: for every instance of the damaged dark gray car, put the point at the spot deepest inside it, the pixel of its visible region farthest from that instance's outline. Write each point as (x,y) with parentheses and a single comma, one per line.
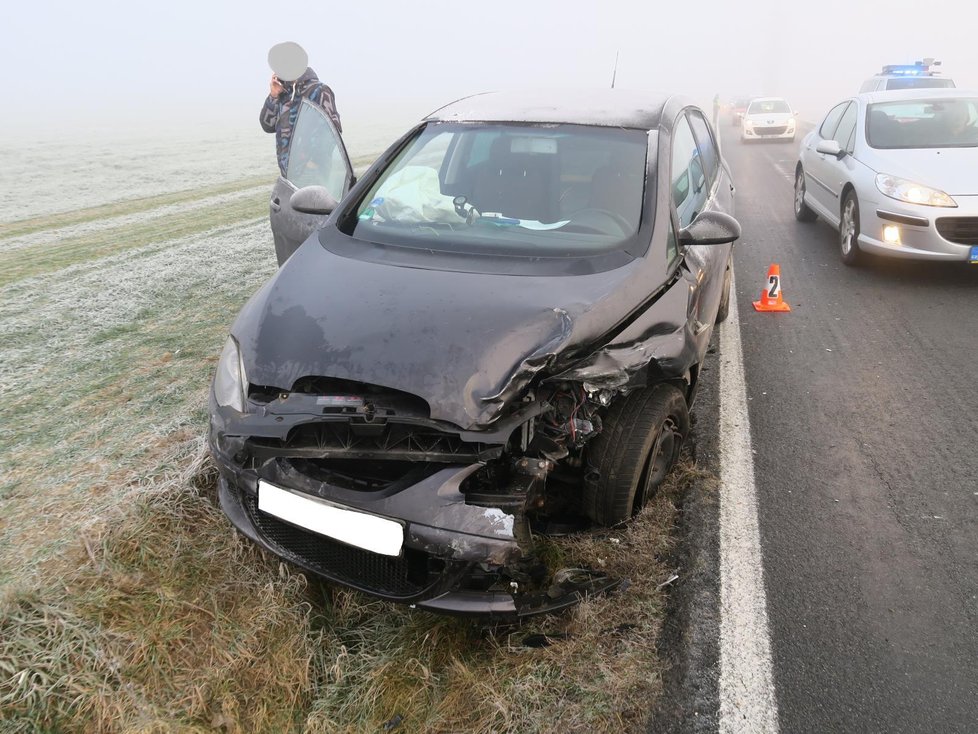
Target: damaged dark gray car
(501,326)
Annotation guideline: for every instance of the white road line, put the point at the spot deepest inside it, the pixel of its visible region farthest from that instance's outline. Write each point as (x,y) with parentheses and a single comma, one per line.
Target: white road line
(747,702)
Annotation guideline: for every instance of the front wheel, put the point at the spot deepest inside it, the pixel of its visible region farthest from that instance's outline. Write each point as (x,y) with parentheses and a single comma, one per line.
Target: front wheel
(849,230)
(802,212)
(640,441)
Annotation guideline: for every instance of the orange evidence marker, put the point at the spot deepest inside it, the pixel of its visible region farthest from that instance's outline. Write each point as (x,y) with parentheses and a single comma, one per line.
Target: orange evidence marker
(771,299)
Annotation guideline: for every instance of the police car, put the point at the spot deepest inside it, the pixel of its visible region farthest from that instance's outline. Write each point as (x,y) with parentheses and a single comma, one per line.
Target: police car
(919,75)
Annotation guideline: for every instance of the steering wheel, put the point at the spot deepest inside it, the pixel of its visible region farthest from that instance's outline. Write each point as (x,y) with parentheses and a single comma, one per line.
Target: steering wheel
(586,218)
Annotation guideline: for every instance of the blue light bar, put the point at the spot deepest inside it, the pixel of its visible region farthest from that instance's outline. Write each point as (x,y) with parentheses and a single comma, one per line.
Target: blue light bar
(908,70)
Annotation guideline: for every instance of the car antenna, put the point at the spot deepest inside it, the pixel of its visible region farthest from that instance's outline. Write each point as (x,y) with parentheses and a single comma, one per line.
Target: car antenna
(615,72)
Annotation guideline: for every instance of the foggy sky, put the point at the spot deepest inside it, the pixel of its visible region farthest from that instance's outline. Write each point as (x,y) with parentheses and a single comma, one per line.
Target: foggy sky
(202,65)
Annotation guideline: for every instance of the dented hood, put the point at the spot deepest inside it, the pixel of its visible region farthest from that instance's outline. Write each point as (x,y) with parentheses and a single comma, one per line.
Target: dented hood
(464,342)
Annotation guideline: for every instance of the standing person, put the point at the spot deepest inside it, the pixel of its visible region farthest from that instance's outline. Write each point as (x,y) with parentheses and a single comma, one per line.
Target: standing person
(289,86)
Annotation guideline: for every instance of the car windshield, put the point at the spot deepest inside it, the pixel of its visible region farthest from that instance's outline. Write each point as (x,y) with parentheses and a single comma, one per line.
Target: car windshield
(550,190)
(919,82)
(923,123)
(767,106)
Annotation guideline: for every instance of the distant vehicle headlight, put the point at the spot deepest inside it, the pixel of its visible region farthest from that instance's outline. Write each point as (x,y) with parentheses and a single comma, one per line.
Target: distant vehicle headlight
(230,381)
(912,193)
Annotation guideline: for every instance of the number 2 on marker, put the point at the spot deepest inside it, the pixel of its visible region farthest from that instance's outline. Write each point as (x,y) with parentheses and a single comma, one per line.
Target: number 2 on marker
(774,286)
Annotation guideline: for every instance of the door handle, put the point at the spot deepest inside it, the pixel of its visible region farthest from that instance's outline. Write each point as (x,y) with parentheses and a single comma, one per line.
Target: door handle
(275,204)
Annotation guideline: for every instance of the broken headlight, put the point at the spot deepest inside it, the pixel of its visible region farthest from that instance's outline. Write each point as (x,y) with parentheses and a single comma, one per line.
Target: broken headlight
(230,382)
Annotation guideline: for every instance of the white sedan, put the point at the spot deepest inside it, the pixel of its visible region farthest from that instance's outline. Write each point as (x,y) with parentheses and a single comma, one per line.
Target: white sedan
(768,118)
(896,173)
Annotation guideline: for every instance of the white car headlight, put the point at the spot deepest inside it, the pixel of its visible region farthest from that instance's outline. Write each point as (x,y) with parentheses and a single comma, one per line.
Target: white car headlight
(912,193)
(230,382)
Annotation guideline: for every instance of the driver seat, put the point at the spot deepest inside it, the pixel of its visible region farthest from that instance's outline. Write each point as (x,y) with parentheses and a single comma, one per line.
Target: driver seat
(518,185)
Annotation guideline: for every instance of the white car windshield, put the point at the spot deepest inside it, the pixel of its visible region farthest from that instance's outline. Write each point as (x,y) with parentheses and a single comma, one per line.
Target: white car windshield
(768,106)
(923,123)
(552,190)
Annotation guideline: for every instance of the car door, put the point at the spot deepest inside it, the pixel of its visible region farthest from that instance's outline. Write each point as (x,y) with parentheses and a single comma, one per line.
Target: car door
(700,182)
(839,171)
(817,166)
(317,157)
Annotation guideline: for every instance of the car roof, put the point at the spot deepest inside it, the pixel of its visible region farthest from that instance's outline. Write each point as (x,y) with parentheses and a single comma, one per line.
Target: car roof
(768,99)
(599,107)
(896,95)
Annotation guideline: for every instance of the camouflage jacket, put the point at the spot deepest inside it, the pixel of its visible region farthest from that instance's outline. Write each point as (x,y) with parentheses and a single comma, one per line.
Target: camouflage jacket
(278,114)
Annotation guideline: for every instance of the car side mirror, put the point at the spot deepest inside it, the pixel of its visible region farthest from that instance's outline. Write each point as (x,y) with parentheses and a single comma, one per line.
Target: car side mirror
(710,228)
(830,147)
(313,200)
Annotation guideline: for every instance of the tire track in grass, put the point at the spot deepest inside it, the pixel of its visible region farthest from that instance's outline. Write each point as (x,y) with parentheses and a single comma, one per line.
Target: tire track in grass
(50,237)
(40,223)
(39,259)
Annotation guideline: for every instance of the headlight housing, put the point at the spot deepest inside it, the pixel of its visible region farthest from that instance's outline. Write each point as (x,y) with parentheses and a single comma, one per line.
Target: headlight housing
(230,381)
(912,193)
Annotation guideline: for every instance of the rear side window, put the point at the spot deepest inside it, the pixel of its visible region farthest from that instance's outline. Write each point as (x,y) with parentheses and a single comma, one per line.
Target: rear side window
(831,121)
(705,145)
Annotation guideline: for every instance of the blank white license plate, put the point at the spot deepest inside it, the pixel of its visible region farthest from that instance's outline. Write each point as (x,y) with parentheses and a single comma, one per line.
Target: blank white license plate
(369,532)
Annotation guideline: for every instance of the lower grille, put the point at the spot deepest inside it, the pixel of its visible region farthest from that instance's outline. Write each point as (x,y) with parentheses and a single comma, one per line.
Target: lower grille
(390,441)
(405,577)
(770,130)
(962,230)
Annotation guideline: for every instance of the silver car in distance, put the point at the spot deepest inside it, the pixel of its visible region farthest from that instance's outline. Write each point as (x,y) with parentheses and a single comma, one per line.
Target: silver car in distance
(896,173)
(768,118)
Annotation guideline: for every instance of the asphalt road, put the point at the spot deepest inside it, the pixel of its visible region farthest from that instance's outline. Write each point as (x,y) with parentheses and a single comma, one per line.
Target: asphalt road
(864,418)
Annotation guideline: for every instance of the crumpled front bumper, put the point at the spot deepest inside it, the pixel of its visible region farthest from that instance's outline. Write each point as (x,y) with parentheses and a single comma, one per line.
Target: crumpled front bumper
(445,539)
(457,558)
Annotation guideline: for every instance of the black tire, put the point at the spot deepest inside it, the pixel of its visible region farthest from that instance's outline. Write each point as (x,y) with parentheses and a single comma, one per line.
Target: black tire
(802,212)
(640,441)
(849,229)
(724,310)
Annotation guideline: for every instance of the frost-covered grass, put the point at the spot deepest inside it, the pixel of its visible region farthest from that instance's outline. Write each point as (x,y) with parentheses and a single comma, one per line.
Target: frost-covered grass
(99,219)
(48,257)
(127,602)
(104,359)
(58,176)
(47,174)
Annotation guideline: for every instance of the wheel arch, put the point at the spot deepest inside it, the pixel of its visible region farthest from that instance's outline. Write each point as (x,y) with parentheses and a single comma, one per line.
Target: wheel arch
(845,192)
